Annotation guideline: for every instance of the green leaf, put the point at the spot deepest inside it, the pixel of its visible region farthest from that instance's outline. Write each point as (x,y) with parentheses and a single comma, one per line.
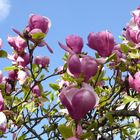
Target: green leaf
(65,131)
(10,68)
(54,86)
(128,99)
(41,77)
(109,117)
(86,135)
(134,55)
(111,57)
(22,137)
(31,107)
(122,38)
(3,53)
(51,97)
(124,48)
(38,36)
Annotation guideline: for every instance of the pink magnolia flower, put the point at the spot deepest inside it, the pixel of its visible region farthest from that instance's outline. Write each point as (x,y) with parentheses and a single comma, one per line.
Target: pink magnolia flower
(74,65)
(102,42)
(134,82)
(12,75)
(3,122)
(74,44)
(22,76)
(132,35)
(79,101)
(136,16)
(89,67)
(23,60)
(38,22)
(20,60)
(1,102)
(86,66)
(42,61)
(18,43)
(36,90)
(37,60)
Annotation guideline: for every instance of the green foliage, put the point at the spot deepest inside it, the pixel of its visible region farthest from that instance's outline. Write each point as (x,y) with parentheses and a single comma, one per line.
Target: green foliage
(65,131)
(38,36)
(3,54)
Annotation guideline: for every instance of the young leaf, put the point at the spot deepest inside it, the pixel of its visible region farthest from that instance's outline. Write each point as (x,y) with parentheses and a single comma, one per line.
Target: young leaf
(65,131)
(3,53)
(54,86)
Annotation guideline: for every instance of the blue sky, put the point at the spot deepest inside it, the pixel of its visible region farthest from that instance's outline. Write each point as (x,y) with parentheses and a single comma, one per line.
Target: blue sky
(68,17)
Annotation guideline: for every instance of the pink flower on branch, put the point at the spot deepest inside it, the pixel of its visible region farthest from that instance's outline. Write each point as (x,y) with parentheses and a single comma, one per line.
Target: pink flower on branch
(79,101)
(103,42)
(87,66)
(74,44)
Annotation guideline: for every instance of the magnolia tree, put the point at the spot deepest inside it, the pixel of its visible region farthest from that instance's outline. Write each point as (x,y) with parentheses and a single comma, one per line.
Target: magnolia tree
(85,103)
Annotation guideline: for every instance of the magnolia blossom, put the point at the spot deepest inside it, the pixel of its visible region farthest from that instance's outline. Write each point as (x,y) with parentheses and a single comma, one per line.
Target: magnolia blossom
(42,61)
(3,122)
(20,60)
(86,66)
(22,76)
(18,43)
(134,82)
(74,44)
(132,35)
(79,101)
(38,22)
(12,75)
(136,16)
(102,42)
(36,90)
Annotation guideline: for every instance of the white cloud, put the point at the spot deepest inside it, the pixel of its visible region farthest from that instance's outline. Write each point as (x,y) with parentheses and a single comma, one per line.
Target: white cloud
(4,9)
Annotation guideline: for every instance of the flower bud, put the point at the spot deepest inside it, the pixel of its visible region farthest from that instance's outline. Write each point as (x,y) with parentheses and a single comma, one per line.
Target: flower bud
(12,75)
(45,61)
(74,65)
(36,90)
(102,42)
(136,16)
(42,61)
(132,35)
(17,43)
(75,43)
(134,82)
(24,61)
(89,67)
(78,101)
(38,22)
(37,60)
